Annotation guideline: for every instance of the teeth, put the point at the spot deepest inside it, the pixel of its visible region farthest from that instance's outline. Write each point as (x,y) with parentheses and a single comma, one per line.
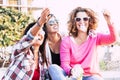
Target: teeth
(83,28)
(55,27)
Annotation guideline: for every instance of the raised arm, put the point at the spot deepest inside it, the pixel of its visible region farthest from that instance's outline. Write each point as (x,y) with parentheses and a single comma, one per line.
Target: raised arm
(44,17)
(109,38)
(107,17)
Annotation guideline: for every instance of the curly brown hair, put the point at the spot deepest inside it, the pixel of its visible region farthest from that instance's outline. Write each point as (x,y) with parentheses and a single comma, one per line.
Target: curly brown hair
(93,21)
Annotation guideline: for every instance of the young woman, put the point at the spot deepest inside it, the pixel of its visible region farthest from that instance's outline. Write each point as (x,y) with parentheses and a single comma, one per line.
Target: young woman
(52,45)
(26,57)
(81,44)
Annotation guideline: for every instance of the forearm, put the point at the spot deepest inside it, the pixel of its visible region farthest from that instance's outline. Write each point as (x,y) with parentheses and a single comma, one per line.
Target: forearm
(39,24)
(66,67)
(65,56)
(36,58)
(109,22)
(113,32)
(105,39)
(23,45)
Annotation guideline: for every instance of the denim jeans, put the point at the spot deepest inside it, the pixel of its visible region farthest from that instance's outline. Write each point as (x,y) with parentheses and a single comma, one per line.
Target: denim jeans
(92,78)
(57,73)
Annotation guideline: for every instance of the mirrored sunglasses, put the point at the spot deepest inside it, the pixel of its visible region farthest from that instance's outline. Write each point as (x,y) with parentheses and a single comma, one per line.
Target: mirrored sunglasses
(79,19)
(52,22)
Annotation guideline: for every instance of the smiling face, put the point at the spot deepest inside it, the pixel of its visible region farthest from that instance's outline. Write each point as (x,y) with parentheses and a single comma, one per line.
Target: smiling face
(82,21)
(52,25)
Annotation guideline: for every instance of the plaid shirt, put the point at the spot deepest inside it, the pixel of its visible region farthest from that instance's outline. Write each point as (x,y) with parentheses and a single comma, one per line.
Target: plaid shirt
(22,63)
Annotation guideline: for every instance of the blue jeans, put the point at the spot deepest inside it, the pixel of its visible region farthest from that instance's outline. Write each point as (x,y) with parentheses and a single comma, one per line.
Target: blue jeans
(92,78)
(57,73)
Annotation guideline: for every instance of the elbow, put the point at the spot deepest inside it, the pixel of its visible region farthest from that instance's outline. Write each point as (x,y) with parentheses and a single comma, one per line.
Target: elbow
(114,39)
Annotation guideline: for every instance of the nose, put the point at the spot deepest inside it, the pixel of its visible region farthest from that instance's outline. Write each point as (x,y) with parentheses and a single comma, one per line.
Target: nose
(82,22)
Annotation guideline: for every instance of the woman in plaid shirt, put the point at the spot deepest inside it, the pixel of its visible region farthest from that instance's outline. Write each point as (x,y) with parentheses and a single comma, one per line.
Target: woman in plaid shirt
(25,58)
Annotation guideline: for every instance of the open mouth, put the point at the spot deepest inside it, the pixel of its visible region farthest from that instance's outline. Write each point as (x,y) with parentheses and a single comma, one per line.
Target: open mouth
(83,28)
(55,27)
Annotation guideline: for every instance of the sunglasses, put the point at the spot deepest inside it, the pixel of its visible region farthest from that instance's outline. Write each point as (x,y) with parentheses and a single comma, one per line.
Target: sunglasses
(79,19)
(52,22)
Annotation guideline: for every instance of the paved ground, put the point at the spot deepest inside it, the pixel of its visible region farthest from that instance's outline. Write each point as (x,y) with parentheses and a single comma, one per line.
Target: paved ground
(111,75)
(2,71)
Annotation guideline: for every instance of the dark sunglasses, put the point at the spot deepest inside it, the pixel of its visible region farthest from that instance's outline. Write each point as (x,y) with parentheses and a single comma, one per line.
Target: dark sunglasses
(84,19)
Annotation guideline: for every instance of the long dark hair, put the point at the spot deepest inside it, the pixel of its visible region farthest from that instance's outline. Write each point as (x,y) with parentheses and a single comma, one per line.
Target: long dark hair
(42,47)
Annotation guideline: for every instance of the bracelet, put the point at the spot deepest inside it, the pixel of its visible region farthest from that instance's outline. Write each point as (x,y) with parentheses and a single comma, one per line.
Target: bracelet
(38,23)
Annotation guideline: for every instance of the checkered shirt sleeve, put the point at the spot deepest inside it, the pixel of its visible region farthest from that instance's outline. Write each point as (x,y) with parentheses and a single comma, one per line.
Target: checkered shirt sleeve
(20,69)
(22,65)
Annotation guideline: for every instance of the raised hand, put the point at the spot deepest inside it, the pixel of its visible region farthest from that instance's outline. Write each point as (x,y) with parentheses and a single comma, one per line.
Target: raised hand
(107,16)
(44,16)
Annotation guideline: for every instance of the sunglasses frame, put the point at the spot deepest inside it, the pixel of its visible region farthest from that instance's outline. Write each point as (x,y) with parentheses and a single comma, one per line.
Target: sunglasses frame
(77,19)
(52,22)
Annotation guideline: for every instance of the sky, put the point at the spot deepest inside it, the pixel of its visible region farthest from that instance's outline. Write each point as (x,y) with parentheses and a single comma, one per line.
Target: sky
(62,8)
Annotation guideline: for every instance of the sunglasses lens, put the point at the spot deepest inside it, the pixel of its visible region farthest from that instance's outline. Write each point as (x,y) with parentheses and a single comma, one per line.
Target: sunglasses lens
(52,22)
(77,19)
(85,19)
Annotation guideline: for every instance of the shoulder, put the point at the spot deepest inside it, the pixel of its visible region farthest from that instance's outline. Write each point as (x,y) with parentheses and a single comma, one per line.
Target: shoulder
(65,38)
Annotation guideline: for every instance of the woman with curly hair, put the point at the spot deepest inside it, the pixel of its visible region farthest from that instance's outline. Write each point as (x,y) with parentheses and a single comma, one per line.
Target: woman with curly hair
(80,47)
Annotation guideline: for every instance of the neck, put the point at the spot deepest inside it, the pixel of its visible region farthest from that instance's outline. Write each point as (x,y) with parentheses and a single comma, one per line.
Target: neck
(82,35)
(54,37)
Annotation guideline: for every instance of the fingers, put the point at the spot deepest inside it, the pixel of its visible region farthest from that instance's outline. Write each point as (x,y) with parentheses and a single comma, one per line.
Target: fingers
(107,16)
(77,71)
(46,11)
(106,13)
(44,16)
(49,16)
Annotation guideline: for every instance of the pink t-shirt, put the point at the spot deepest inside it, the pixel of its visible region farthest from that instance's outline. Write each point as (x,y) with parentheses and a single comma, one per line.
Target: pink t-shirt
(84,54)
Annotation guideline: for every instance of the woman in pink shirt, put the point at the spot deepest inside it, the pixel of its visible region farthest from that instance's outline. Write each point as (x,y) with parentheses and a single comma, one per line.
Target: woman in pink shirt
(79,48)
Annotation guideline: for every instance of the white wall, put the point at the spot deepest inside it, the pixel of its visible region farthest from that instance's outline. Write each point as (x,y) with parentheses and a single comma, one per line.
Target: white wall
(61,8)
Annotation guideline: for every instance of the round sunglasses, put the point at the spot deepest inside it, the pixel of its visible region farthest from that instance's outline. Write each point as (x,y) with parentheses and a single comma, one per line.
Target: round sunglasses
(52,22)
(79,19)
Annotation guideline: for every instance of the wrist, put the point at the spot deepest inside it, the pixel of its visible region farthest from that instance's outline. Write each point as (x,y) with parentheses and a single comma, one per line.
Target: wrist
(39,23)
(110,23)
